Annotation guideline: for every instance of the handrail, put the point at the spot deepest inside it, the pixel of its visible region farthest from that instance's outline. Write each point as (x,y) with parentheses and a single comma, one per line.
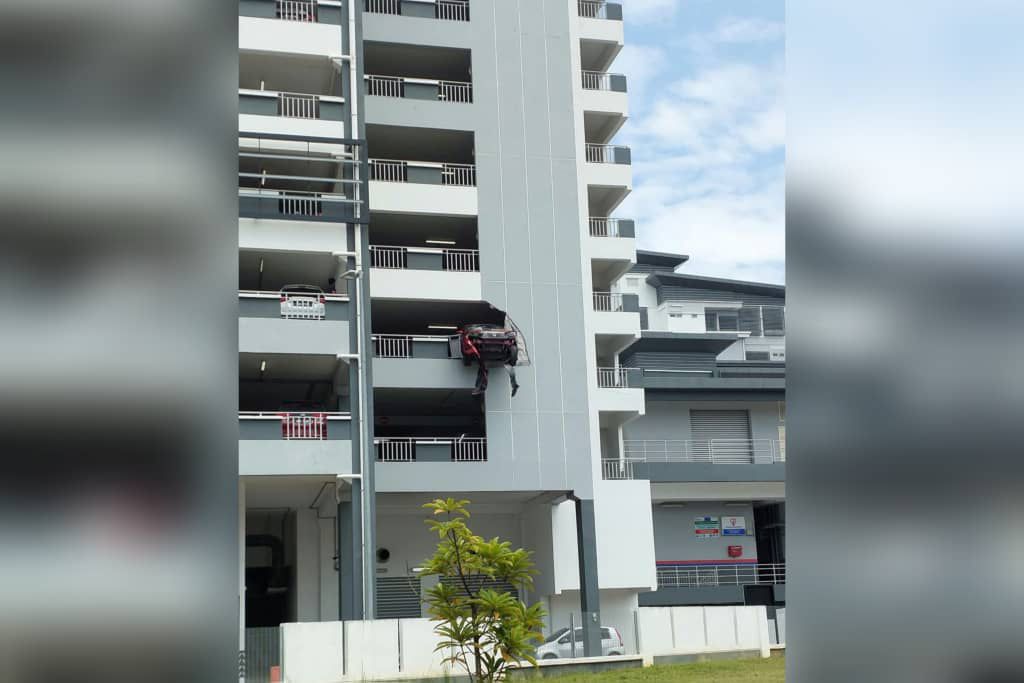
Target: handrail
(394,86)
(400,345)
(602,154)
(614,378)
(598,80)
(592,9)
(296,10)
(451,10)
(604,227)
(716,451)
(608,302)
(397,258)
(397,171)
(736,574)
(403,448)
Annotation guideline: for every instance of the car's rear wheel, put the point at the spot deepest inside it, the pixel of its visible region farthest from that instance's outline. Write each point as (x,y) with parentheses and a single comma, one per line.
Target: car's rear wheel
(549,656)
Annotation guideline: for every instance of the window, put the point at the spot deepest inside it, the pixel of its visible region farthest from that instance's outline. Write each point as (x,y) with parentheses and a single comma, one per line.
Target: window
(722,320)
(757,355)
(632,283)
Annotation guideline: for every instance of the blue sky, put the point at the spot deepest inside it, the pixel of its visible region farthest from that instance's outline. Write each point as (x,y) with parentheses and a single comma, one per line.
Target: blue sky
(707,131)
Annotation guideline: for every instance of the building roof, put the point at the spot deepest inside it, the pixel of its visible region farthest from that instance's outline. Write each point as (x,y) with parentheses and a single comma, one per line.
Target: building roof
(661,259)
(661,278)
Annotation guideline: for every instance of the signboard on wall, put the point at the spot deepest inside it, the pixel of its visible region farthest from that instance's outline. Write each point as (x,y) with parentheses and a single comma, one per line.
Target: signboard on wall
(706,528)
(734,526)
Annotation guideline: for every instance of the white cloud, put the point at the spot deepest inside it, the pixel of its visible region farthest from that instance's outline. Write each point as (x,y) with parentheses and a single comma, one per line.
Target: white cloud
(748,30)
(649,11)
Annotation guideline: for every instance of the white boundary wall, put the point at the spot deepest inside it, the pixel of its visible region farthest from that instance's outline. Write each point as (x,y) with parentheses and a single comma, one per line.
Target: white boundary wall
(330,652)
(696,630)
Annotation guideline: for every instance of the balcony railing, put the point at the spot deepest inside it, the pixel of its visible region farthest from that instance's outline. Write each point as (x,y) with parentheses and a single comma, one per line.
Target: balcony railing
(607,154)
(294,105)
(608,302)
(616,378)
(611,227)
(425,258)
(450,10)
(298,426)
(425,172)
(599,9)
(602,80)
(431,449)
(739,574)
(296,10)
(404,345)
(419,88)
(616,468)
(715,451)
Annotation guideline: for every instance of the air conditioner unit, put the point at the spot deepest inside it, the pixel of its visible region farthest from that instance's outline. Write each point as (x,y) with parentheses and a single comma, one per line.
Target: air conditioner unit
(777,354)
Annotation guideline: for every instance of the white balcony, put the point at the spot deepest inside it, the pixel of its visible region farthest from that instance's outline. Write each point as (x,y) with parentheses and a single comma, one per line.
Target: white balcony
(445,10)
(423,187)
(600,21)
(619,391)
(425,273)
(263,329)
(291,27)
(278,113)
(616,314)
(268,234)
(608,174)
(286,443)
(605,93)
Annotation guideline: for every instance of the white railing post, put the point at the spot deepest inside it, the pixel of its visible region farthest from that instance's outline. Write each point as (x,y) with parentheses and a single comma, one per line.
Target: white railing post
(469,449)
(392,346)
(388,170)
(604,227)
(461,260)
(385,86)
(303,426)
(296,10)
(387,257)
(454,91)
(592,9)
(384,6)
(452,10)
(458,174)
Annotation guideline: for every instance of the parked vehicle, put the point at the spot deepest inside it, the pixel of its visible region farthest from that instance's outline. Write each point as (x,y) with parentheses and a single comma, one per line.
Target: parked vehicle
(559,645)
(303,301)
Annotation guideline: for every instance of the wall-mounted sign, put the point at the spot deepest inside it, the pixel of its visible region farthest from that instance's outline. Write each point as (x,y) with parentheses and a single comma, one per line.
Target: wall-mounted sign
(706,528)
(734,526)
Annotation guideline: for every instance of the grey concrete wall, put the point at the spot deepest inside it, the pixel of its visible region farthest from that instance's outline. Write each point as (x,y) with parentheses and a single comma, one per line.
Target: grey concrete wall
(423,373)
(698,471)
(675,540)
(706,595)
(671,419)
(530,251)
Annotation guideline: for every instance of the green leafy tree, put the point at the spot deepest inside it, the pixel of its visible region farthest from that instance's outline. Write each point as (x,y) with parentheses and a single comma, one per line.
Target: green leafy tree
(484,631)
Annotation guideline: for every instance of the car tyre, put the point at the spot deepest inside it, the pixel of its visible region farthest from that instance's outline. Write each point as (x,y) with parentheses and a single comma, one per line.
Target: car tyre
(549,656)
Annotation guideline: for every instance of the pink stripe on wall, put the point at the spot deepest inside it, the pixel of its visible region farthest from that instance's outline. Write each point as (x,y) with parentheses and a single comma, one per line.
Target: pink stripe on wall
(676,563)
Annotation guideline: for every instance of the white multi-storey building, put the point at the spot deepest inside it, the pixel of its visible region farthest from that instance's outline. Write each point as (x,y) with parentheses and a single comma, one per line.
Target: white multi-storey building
(428,165)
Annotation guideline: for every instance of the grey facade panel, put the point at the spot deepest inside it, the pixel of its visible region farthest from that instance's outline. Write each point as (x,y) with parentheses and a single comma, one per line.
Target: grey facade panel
(706,595)
(699,471)
(662,360)
(677,293)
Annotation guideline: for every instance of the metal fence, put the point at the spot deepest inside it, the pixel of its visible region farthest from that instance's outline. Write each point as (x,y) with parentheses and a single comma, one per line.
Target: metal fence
(396,449)
(602,154)
(296,10)
(300,204)
(717,451)
(452,10)
(389,170)
(383,6)
(458,174)
(298,106)
(695,576)
(615,468)
(392,346)
(385,86)
(593,9)
(469,449)
(608,302)
(461,260)
(613,378)
(597,80)
(388,257)
(304,426)
(604,227)
(403,448)
(454,91)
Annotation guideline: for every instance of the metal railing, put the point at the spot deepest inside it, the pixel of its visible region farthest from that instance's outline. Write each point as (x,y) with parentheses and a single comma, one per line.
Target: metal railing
(298,106)
(461,260)
(397,449)
(385,86)
(296,10)
(613,378)
(604,227)
(608,302)
(597,80)
(458,174)
(717,451)
(454,91)
(739,574)
(615,468)
(403,448)
(383,6)
(388,257)
(601,154)
(301,204)
(452,10)
(395,171)
(392,346)
(593,9)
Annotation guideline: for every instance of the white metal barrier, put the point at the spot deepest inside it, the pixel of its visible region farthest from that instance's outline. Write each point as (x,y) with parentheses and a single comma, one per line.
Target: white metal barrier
(392,346)
(604,227)
(385,86)
(613,378)
(298,106)
(739,574)
(600,154)
(614,468)
(462,260)
(717,451)
(296,10)
(301,204)
(304,426)
(387,257)
(452,10)
(608,302)
(454,91)
(389,170)
(593,9)
(396,449)
(469,449)
(384,6)
(597,80)
(458,174)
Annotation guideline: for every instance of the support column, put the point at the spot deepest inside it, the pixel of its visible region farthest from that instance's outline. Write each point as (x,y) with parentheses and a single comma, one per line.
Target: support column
(350,557)
(590,601)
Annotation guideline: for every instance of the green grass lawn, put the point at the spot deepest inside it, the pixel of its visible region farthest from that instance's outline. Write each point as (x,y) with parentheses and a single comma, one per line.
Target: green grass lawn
(772,670)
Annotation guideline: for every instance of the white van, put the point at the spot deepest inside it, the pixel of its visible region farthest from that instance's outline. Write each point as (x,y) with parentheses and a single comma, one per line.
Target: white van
(559,644)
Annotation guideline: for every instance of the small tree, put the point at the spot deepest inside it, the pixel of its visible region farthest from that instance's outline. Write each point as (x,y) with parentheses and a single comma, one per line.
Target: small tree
(485,631)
